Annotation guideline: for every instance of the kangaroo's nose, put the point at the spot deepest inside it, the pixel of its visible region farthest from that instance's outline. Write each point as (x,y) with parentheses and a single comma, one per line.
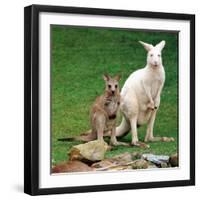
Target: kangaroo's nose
(113,91)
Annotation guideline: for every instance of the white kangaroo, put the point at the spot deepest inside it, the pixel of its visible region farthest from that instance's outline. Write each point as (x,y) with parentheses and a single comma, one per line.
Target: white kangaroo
(140,96)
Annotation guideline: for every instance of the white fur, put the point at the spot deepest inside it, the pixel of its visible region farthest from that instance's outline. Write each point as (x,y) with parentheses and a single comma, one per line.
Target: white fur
(140,95)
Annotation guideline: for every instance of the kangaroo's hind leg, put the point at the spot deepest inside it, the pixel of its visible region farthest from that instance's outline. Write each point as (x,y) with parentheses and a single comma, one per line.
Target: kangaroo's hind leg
(135,141)
(149,133)
(99,125)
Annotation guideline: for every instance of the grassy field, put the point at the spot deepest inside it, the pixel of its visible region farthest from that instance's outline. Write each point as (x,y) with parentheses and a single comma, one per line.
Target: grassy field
(79,58)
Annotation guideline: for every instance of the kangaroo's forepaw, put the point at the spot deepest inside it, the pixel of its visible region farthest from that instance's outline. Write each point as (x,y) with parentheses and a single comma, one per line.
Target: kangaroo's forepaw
(140,144)
(151,106)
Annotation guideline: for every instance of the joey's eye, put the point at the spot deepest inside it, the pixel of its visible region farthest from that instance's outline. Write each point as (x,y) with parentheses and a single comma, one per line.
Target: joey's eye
(151,55)
(116,86)
(107,103)
(109,86)
(159,55)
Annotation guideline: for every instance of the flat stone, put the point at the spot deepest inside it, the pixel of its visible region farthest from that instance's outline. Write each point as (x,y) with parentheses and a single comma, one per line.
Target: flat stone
(156,159)
(122,158)
(152,166)
(140,164)
(136,155)
(163,165)
(116,161)
(91,151)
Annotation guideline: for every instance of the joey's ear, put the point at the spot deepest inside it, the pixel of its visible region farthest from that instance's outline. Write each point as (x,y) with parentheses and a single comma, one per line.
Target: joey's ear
(161,45)
(117,78)
(106,77)
(148,47)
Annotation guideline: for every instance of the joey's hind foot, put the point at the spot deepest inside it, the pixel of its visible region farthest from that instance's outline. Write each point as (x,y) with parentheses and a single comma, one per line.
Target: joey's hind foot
(116,143)
(140,144)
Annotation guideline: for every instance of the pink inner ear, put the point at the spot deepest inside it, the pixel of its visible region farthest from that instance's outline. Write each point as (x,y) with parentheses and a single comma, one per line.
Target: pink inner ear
(106,77)
(161,45)
(147,46)
(117,78)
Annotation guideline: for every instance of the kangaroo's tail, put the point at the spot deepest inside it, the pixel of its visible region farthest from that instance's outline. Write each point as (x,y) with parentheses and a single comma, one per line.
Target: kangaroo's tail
(85,137)
(67,139)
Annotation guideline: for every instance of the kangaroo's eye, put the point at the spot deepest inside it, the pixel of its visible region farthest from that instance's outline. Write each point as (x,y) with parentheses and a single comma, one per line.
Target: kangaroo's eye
(109,86)
(159,55)
(151,55)
(116,86)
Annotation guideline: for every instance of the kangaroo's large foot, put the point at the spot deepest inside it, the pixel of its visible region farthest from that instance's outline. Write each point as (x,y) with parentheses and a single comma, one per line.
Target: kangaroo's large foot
(140,144)
(162,139)
(167,139)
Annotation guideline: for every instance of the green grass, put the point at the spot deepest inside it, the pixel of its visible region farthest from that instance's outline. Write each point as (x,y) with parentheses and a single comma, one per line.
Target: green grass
(79,58)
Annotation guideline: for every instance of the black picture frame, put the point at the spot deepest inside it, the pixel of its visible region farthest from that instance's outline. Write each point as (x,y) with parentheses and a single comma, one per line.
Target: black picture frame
(31,98)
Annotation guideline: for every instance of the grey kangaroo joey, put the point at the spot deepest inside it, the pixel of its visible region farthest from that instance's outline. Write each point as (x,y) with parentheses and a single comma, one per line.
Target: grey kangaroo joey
(104,111)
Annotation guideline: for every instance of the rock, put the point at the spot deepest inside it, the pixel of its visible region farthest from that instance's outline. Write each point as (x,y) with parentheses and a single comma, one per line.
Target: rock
(151,165)
(163,165)
(122,158)
(114,167)
(156,159)
(90,151)
(136,155)
(120,167)
(102,164)
(116,161)
(71,166)
(140,164)
(173,160)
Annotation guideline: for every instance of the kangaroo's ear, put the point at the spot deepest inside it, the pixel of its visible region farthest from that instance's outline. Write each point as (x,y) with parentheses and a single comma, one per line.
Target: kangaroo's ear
(148,47)
(106,77)
(117,78)
(161,45)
